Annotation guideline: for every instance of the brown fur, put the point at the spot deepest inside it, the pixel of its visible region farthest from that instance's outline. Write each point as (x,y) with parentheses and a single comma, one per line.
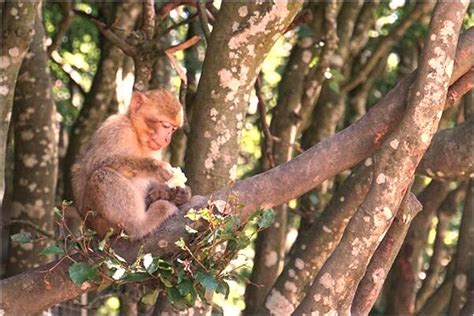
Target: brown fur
(117,171)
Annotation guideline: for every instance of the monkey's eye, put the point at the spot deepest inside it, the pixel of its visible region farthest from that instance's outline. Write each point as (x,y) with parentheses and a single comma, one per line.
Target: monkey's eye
(151,123)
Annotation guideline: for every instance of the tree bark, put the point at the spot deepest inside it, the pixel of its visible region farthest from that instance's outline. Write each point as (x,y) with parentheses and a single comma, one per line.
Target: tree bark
(230,68)
(450,154)
(395,163)
(18,18)
(369,288)
(36,148)
(408,263)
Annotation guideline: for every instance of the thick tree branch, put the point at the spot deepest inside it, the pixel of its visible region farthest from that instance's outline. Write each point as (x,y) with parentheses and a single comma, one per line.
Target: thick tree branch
(369,288)
(449,156)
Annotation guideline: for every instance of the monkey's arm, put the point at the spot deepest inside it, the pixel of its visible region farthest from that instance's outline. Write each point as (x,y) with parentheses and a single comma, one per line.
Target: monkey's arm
(132,167)
(161,191)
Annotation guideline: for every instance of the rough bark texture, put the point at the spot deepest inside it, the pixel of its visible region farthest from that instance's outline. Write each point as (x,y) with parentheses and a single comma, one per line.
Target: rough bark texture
(274,187)
(315,246)
(450,154)
(408,263)
(395,163)
(270,243)
(98,100)
(369,288)
(36,144)
(464,255)
(18,18)
(223,92)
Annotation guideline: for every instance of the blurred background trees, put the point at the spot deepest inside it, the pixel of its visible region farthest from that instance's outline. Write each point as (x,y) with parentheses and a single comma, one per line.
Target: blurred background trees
(71,64)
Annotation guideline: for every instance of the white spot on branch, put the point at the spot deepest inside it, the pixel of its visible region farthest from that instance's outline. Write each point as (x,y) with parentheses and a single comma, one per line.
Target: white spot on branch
(271,259)
(279,305)
(327,281)
(299,264)
(381,178)
(394,143)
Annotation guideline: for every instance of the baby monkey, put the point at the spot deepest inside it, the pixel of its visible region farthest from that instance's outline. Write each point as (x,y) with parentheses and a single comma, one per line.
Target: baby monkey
(117,176)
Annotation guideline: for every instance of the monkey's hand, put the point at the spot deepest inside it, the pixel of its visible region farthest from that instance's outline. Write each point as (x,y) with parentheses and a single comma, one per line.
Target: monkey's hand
(159,192)
(181,195)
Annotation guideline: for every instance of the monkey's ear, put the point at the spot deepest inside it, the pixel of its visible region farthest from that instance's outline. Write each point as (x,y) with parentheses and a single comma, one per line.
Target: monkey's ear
(138,99)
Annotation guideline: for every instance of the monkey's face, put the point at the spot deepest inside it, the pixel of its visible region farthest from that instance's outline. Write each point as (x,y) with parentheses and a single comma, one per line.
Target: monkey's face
(159,133)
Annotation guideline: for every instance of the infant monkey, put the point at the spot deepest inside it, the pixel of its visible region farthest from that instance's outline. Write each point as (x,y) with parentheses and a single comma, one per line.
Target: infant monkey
(117,176)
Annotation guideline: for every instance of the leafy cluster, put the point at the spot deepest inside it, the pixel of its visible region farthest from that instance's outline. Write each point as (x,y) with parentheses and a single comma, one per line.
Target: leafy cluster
(197,271)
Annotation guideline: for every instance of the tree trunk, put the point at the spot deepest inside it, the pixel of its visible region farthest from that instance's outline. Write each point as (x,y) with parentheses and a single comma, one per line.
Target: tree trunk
(18,18)
(36,144)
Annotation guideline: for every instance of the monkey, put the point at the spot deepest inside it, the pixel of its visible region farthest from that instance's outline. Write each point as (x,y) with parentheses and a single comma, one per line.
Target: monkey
(117,177)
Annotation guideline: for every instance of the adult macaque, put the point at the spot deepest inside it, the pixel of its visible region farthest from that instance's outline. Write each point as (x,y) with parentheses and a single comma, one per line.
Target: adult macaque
(117,177)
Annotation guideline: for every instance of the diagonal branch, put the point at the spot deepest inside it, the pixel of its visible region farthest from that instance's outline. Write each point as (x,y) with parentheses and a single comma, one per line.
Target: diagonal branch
(109,34)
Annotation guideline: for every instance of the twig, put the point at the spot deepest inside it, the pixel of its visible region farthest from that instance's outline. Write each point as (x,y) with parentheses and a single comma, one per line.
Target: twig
(184,45)
(109,34)
(263,122)
(203,18)
(31,225)
(458,89)
(182,98)
(68,16)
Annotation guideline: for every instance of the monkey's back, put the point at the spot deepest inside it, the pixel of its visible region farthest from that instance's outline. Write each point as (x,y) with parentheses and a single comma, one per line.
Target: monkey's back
(114,138)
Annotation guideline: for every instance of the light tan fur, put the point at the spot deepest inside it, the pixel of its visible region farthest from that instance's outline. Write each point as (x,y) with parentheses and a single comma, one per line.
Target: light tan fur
(117,177)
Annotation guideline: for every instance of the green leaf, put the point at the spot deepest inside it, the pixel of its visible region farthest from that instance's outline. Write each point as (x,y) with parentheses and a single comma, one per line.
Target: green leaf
(266,219)
(103,242)
(175,298)
(52,250)
(185,287)
(207,280)
(57,212)
(136,277)
(150,298)
(223,288)
(193,215)
(24,237)
(79,272)
(181,244)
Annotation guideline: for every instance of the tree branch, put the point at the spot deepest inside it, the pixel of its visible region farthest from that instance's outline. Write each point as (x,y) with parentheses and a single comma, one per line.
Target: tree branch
(267,135)
(68,16)
(109,34)
(449,156)
(386,43)
(369,288)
